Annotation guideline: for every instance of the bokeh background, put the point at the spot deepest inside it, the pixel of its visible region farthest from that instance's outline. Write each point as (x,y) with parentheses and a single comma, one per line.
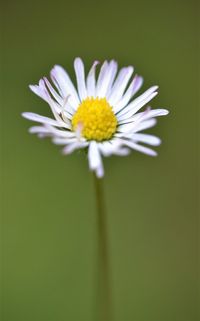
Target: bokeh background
(49,220)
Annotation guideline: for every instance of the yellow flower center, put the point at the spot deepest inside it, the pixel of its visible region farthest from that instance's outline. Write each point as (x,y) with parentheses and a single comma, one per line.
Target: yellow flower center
(95,118)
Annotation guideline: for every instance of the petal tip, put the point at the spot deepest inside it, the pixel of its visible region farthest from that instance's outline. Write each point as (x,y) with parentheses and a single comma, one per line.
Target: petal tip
(24,114)
(78,60)
(33,88)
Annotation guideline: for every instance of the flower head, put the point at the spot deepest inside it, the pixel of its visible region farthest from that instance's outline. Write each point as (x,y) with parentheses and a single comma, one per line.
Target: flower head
(100,114)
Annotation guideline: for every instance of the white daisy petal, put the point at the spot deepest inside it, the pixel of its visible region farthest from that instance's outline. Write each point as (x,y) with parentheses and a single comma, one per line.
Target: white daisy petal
(64,141)
(52,131)
(149,113)
(137,103)
(131,91)
(53,92)
(147,139)
(66,110)
(38,130)
(71,147)
(105,148)
(133,126)
(113,66)
(60,132)
(140,148)
(56,82)
(52,103)
(122,151)
(125,128)
(100,171)
(63,82)
(155,113)
(91,81)
(145,125)
(120,85)
(43,119)
(106,79)
(138,81)
(40,91)
(58,112)
(43,135)
(80,77)
(134,107)
(108,148)
(95,161)
(102,72)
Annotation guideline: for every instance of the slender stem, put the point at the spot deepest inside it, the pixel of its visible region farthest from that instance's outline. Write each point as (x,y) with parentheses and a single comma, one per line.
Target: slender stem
(104,290)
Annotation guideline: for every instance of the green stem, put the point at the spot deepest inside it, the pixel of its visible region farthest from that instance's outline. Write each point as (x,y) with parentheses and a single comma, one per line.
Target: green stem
(104,290)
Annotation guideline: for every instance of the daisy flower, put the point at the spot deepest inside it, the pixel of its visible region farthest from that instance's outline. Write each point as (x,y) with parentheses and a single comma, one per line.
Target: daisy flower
(100,114)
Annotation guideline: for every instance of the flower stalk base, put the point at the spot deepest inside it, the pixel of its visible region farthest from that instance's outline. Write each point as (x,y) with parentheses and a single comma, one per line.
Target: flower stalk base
(104,286)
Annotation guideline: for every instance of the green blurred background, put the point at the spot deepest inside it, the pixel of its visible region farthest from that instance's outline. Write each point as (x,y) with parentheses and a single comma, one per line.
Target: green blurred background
(49,220)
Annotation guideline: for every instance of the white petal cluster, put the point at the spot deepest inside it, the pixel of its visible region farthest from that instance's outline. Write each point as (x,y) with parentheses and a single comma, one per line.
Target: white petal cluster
(118,88)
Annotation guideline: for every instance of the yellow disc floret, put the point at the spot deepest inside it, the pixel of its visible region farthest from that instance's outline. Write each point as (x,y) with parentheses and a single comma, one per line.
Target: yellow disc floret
(96,119)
